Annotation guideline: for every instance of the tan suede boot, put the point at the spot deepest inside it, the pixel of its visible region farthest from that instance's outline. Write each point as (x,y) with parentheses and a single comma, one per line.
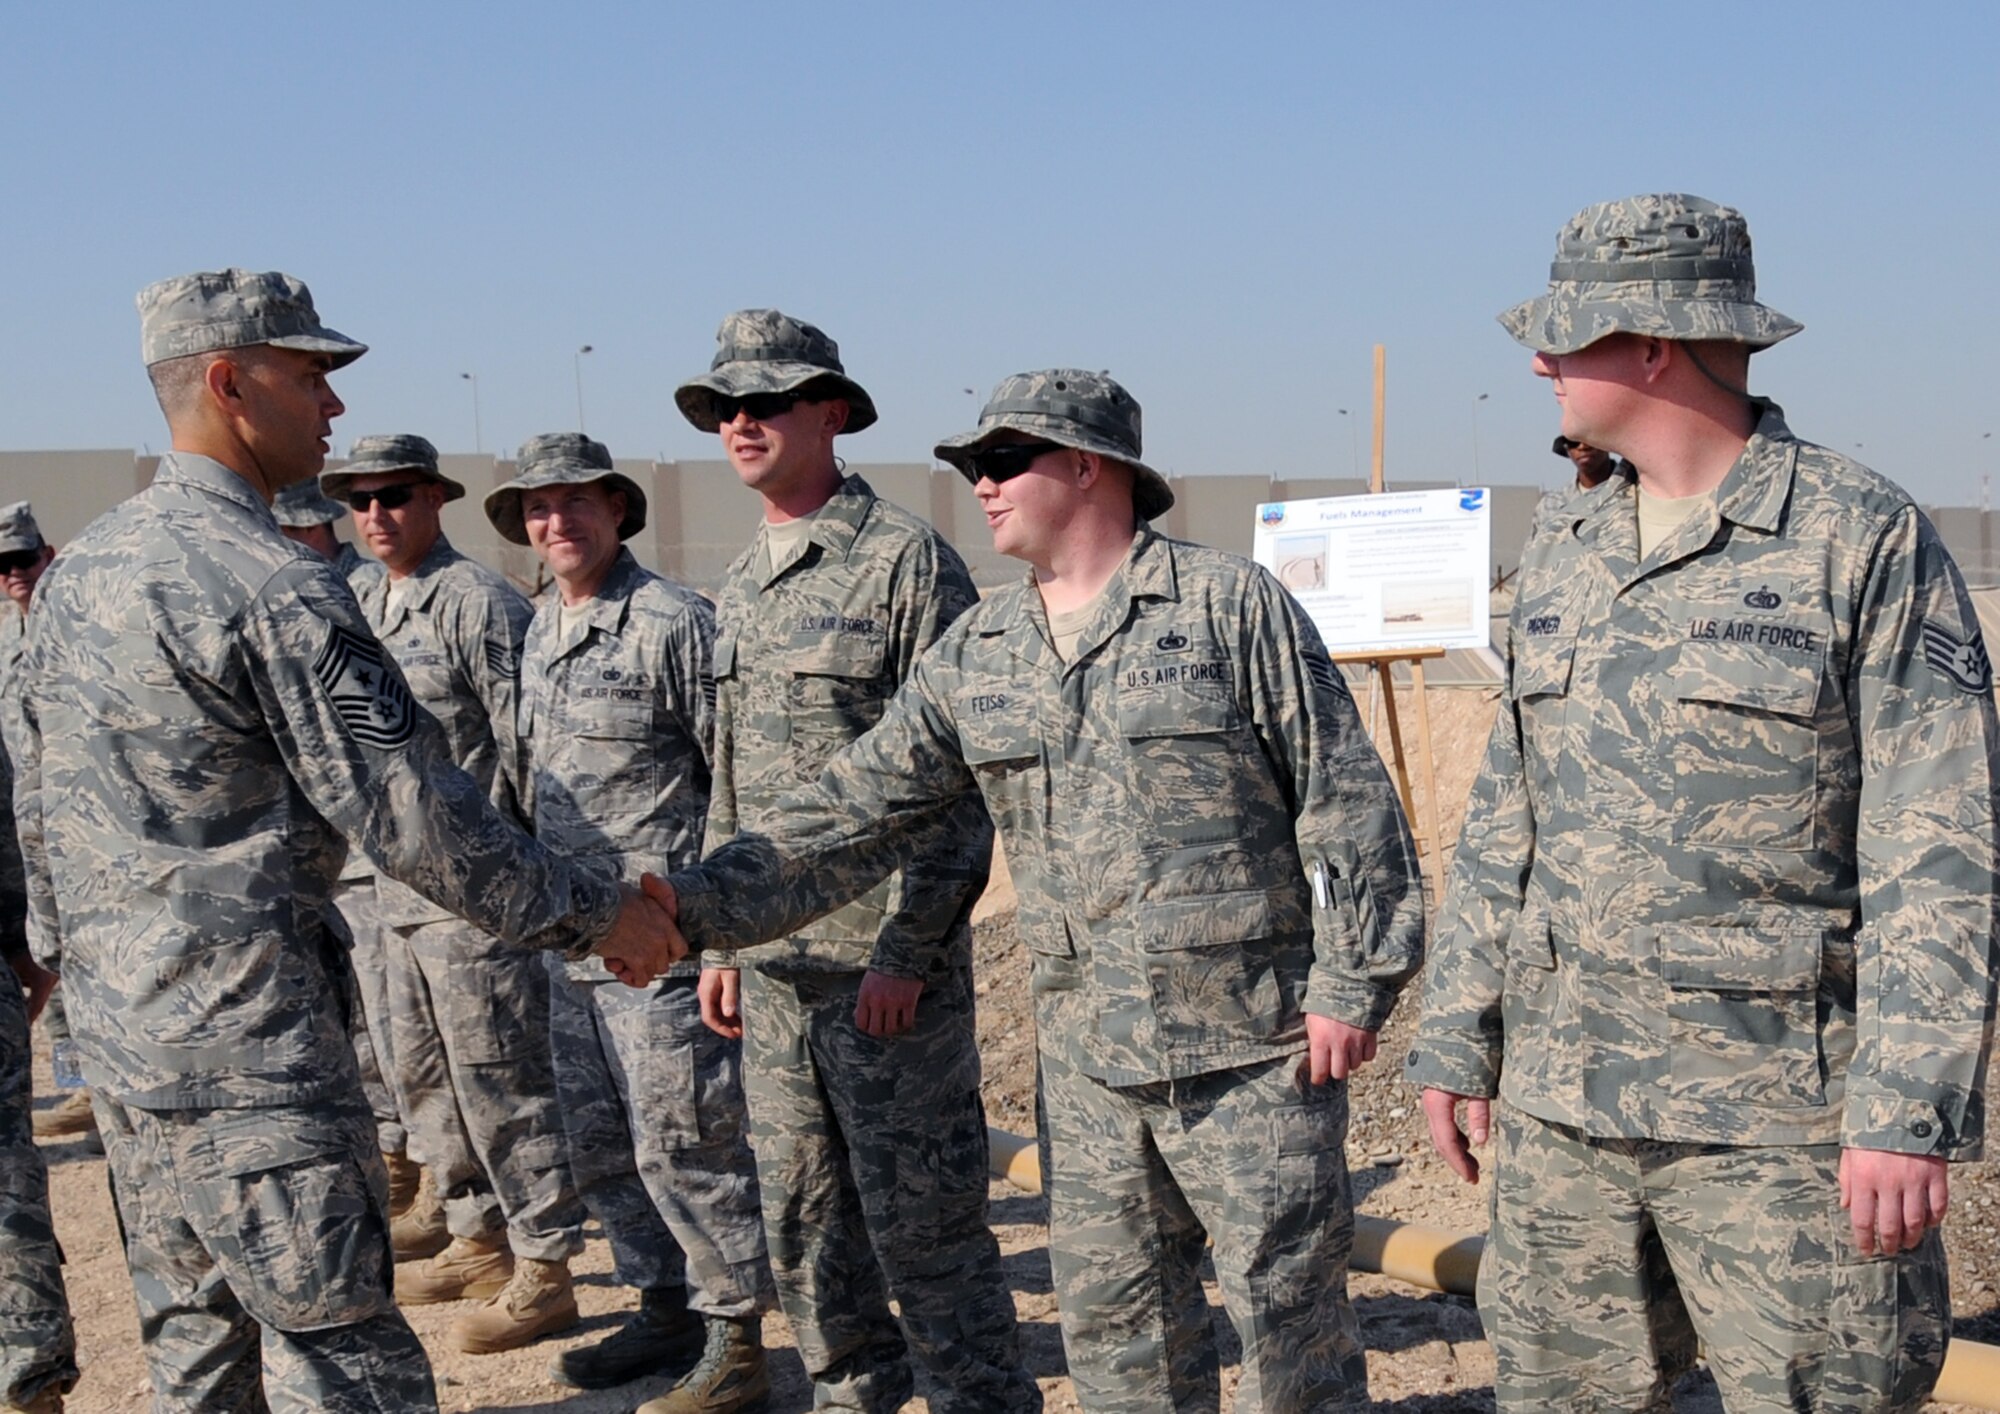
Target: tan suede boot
(68,1116)
(471,1268)
(539,1301)
(731,1378)
(406,1177)
(420,1231)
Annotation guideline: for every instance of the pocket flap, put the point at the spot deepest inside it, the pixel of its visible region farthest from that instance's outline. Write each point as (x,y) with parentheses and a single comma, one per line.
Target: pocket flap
(1206,920)
(838,655)
(1541,668)
(1746,959)
(1744,675)
(247,1141)
(1177,712)
(615,721)
(725,657)
(995,724)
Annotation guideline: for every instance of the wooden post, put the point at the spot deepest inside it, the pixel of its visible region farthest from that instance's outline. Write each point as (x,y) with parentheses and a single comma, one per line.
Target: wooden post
(1375,482)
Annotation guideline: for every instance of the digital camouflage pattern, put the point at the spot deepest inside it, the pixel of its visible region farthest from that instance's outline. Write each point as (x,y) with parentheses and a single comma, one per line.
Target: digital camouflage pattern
(766,351)
(1671,266)
(1600,1249)
(1164,798)
(617,721)
(810,649)
(179,882)
(18,530)
(259,1246)
(37,1342)
(562,459)
(1727,873)
(230,309)
(469,1025)
(454,628)
(658,1133)
(617,718)
(1071,407)
(1141,1176)
(303,504)
(899,1125)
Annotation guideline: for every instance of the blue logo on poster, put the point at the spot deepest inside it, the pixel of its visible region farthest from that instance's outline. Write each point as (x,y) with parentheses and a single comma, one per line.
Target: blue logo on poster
(1271,515)
(1472,498)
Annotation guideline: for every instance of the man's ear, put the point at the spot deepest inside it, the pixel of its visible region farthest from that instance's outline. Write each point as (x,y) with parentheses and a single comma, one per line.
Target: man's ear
(1656,356)
(220,379)
(1089,466)
(837,412)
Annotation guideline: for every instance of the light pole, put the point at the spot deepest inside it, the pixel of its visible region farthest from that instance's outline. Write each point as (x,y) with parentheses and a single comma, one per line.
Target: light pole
(577,361)
(1353,443)
(1475,435)
(478,442)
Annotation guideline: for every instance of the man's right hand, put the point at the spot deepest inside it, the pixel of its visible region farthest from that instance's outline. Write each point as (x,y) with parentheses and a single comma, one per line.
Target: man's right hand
(1441,1111)
(643,942)
(717,990)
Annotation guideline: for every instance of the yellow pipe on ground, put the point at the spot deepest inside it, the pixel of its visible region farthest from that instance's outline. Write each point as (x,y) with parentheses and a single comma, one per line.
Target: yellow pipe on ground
(1438,1260)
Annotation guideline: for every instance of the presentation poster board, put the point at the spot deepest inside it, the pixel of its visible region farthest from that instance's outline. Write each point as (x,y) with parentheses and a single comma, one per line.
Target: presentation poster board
(1409,569)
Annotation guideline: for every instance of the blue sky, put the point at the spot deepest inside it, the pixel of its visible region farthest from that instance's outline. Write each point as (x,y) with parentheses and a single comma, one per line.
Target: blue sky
(1226,206)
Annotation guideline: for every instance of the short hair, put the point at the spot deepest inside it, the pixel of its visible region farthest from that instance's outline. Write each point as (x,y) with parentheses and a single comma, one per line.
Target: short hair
(177,382)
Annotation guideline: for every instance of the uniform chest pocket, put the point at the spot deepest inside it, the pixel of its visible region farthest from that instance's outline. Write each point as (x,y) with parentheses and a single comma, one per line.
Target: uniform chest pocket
(835,691)
(1002,745)
(1187,754)
(1745,745)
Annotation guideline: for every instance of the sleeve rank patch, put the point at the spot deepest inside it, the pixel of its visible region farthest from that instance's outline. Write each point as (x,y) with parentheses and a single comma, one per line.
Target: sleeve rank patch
(1964,661)
(368,694)
(500,660)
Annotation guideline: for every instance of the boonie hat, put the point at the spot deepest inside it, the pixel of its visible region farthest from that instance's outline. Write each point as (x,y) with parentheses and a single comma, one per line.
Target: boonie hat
(303,504)
(233,309)
(1667,265)
(1071,407)
(561,459)
(372,456)
(18,530)
(766,351)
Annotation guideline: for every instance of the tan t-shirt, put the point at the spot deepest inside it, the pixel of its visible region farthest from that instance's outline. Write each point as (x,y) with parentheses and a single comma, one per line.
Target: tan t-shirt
(1067,628)
(1661,516)
(782,538)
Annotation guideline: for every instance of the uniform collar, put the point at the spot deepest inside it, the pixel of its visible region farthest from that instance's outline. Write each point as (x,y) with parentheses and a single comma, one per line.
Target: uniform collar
(1148,572)
(212,478)
(422,584)
(834,528)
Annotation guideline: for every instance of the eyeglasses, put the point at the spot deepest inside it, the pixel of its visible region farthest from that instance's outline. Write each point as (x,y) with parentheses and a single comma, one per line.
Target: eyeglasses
(390,497)
(762,407)
(20,560)
(1005,462)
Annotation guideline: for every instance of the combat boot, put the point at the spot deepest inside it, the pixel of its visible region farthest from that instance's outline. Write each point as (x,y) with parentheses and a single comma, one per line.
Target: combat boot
(731,1377)
(538,1301)
(420,1230)
(661,1337)
(71,1115)
(471,1268)
(406,1177)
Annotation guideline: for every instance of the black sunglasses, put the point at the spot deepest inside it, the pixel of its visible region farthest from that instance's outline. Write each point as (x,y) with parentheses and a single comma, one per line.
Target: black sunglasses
(1004,462)
(390,497)
(762,407)
(19,560)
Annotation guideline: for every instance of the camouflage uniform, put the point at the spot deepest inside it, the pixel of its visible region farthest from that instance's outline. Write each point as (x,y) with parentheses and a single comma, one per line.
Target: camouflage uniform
(1723,904)
(304,504)
(179,882)
(871,1152)
(37,1343)
(1163,799)
(617,716)
(470,1014)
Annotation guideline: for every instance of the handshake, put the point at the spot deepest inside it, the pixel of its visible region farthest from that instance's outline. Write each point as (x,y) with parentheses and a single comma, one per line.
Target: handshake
(645,939)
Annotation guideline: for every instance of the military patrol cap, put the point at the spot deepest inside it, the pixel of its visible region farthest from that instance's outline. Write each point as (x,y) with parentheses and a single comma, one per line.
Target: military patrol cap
(1071,407)
(18,530)
(303,504)
(1668,266)
(232,309)
(765,351)
(372,456)
(561,459)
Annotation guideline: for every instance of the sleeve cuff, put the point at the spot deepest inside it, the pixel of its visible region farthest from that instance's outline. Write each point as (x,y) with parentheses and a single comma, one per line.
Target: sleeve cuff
(1901,1126)
(1358,1003)
(1454,1069)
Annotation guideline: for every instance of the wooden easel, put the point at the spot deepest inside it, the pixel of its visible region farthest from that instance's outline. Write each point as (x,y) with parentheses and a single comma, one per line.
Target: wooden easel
(1381,661)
